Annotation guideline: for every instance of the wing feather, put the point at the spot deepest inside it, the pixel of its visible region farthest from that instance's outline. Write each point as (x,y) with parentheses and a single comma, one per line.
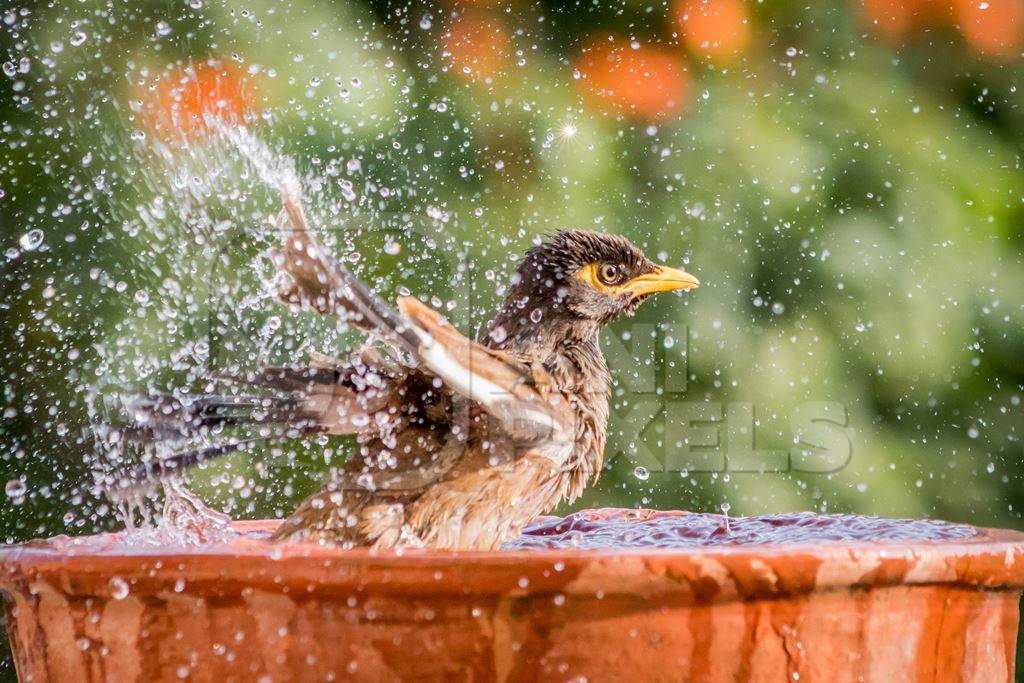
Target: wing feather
(517,396)
(520,398)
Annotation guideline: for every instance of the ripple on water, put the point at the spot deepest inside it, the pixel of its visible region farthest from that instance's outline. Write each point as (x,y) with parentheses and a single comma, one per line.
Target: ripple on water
(594,530)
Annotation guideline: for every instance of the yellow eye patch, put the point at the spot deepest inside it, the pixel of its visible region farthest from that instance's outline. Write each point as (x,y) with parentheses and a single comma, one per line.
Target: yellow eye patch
(588,274)
(661,279)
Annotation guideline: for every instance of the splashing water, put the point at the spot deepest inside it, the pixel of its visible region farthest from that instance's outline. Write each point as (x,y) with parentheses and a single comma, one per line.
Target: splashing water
(206,214)
(275,170)
(202,198)
(184,520)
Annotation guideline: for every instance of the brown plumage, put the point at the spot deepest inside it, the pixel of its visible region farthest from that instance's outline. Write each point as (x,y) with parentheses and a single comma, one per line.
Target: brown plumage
(461,443)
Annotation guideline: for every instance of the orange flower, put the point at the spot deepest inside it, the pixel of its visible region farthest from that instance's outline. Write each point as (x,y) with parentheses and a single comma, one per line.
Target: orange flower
(992,27)
(624,78)
(716,29)
(189,99)
(477,45)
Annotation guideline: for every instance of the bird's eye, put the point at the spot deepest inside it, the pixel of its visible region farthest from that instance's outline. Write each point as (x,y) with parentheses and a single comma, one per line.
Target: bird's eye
(609,273)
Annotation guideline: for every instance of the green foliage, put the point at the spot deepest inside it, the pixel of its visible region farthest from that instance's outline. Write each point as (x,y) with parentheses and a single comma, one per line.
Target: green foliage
(853,210)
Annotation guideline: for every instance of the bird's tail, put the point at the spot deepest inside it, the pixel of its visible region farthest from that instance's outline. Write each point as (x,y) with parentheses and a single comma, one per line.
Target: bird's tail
(284,403)
(176,432)
(169,416)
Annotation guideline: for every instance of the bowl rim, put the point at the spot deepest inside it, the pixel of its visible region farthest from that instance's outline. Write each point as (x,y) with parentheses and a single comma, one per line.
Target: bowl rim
(991,560)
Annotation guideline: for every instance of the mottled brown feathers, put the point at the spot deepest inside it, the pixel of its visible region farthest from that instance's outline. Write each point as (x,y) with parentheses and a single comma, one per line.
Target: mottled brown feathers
(526,423)
(460,443)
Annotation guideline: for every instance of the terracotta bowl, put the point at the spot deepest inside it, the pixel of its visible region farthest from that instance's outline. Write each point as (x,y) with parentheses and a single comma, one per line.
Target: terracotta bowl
(94,610)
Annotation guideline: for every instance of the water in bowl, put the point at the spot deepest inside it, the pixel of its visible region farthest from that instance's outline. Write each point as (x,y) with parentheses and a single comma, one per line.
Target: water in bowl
(609,529)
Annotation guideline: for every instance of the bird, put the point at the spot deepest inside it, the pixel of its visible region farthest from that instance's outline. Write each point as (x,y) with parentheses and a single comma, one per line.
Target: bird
(460,442)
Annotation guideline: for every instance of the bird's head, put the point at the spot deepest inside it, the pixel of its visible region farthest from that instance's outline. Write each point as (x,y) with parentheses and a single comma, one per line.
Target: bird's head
(586,279)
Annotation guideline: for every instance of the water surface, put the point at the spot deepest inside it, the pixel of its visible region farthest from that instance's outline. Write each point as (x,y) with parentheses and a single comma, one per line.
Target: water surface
(608,529)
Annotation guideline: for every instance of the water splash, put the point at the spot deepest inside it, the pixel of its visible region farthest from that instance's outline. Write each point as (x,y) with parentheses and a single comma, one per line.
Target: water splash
(276,170)
(200,195)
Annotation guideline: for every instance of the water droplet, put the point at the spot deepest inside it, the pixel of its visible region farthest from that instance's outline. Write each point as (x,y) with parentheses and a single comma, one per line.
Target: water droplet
(426,22)
(498,334)
(641,473)
(16,490)
(79,38)
(536,314)
(31,240)
(119,588)
(163,28)
(10,69)
(392,248)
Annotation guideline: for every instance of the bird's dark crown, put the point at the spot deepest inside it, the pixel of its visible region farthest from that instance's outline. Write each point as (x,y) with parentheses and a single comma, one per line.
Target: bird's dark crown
(576,282)
(569,250)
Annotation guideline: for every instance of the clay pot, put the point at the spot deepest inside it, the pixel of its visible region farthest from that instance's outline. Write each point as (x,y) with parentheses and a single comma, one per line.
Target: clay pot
(90,610)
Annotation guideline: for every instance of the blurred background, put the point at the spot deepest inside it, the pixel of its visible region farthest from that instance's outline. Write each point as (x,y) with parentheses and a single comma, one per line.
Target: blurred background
(844,177)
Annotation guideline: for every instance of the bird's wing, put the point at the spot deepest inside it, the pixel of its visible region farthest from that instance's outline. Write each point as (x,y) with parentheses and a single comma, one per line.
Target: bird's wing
(519,398)
(313,278)
(348,397)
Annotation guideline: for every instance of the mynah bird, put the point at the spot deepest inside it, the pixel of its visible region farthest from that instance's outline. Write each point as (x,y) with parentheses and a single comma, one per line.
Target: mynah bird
(460,443)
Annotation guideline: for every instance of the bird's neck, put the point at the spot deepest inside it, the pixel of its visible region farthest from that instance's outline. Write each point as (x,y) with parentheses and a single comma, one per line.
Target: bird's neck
(566,345)
(568,348)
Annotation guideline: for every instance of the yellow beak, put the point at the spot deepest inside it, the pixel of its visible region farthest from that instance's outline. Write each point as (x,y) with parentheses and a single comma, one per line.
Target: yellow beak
(663,279)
